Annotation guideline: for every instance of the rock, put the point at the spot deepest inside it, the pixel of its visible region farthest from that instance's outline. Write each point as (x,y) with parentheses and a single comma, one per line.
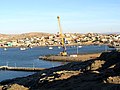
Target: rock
(97,64)
(1,87)
(13,87)
(114,79)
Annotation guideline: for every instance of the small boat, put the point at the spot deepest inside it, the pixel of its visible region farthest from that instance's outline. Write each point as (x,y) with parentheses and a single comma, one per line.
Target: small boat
(79,46)
(22,48)
(5,49)
(50,47)
(31,47)
(59,47)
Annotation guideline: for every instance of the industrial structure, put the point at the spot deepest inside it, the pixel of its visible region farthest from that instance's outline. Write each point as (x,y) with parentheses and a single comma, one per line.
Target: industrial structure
(63,53)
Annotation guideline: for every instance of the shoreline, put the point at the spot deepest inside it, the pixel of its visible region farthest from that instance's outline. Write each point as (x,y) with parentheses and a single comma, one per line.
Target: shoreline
(49,45)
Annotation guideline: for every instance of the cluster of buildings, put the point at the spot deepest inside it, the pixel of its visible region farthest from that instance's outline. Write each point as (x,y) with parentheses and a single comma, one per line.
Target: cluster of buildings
(55,40)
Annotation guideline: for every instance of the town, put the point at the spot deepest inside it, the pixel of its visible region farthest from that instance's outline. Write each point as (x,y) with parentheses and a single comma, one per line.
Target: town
(46,39)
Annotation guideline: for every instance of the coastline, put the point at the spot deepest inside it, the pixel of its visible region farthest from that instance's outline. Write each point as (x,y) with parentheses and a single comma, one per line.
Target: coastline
(58,45)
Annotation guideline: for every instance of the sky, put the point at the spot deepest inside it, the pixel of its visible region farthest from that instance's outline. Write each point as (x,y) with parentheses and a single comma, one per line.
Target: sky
(76,16)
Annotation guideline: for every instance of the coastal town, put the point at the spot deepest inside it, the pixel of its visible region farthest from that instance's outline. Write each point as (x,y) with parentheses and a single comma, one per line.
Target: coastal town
(60,45)
(47,39)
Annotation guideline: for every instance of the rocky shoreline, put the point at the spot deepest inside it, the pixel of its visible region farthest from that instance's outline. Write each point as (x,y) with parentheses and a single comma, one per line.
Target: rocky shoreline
(102,73)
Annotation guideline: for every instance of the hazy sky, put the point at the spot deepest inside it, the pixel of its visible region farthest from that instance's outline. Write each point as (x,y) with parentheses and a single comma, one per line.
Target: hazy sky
(81,16)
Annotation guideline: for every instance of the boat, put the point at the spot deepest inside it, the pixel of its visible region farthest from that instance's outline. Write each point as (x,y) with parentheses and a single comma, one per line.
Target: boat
(31,47)
(59,47)
(79,46)
(5,49)
(50,47)
(22,48)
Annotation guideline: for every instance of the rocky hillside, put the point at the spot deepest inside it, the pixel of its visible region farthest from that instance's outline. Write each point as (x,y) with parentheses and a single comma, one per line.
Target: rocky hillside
(102,73)
(3,35)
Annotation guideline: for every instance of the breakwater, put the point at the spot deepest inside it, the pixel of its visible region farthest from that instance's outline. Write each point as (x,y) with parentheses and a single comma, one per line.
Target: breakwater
(20,68)
(70,58)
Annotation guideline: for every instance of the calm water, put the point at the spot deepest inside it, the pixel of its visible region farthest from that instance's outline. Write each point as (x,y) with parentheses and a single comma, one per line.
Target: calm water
(29,58)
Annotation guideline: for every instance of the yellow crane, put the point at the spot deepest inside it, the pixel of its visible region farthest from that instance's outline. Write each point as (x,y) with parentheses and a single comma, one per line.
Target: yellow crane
(63,53)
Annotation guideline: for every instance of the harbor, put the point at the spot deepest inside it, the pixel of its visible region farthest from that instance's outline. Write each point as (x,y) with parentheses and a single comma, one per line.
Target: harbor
(14,57)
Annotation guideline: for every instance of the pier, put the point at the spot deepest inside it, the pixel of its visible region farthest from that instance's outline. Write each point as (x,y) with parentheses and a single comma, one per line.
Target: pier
(21,68)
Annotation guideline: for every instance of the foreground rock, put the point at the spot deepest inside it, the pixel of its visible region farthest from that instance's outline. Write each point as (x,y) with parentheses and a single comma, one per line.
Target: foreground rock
(13,87)
(94,74)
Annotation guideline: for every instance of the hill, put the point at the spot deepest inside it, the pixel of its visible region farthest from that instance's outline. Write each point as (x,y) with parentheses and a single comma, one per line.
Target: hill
(24,35)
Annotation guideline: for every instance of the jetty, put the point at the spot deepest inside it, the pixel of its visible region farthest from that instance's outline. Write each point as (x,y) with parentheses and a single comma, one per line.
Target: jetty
(21,68)
(70,58)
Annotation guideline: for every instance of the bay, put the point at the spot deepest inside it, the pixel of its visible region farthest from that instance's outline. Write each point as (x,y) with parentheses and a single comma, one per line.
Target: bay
(30,58)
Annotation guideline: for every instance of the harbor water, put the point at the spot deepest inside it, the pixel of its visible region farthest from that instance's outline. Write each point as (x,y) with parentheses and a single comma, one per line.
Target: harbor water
(29,57)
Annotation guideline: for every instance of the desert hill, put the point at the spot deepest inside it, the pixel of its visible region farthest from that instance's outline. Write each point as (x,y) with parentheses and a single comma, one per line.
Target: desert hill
(24,35)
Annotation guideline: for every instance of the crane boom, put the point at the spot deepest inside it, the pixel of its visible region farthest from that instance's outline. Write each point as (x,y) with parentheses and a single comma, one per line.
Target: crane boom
(64,53)
(61,33)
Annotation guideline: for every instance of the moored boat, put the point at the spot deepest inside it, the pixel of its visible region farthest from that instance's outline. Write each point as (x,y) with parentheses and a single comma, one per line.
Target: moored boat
(22,48)
(79,46)
(50,47)
(5,49)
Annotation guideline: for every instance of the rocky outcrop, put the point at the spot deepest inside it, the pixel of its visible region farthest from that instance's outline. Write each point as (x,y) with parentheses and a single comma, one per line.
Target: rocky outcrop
(13,87)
